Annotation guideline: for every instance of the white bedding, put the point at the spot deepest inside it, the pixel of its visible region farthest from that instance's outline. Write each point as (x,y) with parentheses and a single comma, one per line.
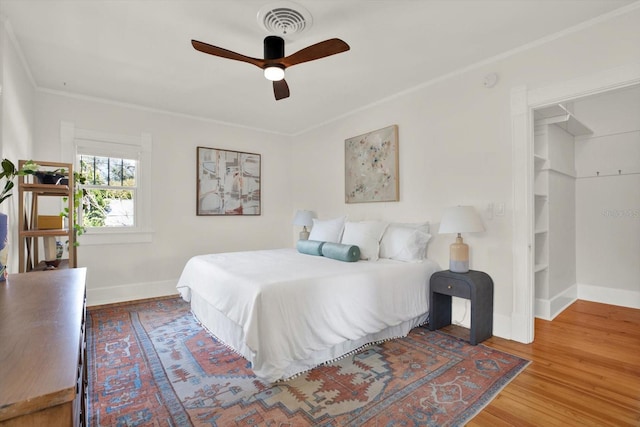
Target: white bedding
(288,307)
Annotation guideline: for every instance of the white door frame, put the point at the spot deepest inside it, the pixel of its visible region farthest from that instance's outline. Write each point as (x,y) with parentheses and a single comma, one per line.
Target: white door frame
(523,102)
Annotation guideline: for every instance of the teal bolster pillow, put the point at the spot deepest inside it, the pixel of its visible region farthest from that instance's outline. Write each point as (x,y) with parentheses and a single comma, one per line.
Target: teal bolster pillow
(348,253)
(310,247)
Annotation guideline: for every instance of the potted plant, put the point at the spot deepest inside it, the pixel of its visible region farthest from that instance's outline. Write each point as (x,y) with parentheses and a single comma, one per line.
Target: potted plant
(54,177)
(8,174)
(60,177)
(79,201)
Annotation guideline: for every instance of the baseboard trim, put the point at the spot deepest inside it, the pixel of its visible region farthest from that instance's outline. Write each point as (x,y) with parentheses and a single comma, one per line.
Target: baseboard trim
(542,309)
(548,309)
(621,297)
(502,326)
(130,292)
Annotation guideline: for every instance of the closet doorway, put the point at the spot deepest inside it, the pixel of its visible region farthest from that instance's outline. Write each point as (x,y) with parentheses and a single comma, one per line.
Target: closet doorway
(524,102)
(586,207)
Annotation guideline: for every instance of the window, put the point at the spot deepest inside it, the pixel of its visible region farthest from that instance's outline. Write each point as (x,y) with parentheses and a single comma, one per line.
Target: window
(110,189)
(116,183)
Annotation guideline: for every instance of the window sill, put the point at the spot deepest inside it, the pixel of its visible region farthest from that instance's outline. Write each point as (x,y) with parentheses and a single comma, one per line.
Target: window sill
(113,237)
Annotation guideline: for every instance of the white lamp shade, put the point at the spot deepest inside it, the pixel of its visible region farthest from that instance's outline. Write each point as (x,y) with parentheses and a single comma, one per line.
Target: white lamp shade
(460,219)
(304,218)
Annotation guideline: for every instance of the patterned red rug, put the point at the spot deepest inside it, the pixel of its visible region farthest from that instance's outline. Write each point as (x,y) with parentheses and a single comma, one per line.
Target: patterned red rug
(151,363)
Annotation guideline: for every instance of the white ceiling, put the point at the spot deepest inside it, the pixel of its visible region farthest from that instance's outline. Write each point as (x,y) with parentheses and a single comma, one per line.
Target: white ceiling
(138,51)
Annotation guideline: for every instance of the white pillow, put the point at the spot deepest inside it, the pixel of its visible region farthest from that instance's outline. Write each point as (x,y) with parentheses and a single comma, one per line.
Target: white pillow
(405,242)
(329,230)
(366,235)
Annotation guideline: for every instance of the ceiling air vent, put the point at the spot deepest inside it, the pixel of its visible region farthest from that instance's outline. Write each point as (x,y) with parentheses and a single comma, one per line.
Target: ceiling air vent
(284,18)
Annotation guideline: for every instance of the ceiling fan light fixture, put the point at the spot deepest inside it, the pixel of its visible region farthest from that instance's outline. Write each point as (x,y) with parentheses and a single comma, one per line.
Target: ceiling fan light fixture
(274,73)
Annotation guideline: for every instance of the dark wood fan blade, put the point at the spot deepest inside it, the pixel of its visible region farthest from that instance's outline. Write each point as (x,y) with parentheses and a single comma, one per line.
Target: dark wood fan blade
(224,53)
(316,51)
(280,89)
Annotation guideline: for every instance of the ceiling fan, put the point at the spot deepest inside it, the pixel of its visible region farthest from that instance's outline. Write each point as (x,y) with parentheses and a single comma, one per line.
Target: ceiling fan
(274,62)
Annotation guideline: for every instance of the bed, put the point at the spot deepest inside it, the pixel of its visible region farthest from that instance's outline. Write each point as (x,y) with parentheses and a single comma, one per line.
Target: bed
(287,312)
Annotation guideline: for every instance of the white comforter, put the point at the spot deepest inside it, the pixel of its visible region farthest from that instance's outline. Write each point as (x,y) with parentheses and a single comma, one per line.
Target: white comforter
(290,304)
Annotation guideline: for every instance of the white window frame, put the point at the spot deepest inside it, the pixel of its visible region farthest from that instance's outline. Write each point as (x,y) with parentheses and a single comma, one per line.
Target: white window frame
(81,141)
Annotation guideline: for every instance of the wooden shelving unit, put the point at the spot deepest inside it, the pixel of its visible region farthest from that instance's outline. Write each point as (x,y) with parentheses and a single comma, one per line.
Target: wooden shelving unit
(29,193)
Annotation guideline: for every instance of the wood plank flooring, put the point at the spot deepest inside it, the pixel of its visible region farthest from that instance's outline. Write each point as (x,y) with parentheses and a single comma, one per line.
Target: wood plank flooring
(584,371)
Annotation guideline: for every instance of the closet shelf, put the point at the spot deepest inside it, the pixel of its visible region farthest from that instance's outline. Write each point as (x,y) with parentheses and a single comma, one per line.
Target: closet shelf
(570,174)
(540,267)
(539,161)
(604,175)
(560,116)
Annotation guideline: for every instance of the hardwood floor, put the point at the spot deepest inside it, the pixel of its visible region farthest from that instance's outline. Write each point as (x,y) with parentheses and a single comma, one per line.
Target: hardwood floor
(584,371)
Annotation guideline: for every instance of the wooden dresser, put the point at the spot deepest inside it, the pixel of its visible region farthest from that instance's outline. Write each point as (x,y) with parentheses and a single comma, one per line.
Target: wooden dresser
(43,372)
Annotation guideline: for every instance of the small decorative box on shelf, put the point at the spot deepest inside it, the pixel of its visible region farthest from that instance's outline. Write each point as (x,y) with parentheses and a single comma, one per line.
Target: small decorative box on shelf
(475,286)
(49,222)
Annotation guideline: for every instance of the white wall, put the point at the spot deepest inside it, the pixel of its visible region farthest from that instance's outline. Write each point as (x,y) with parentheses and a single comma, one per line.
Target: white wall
(121,272)
(455,146)
(608,206)
(450,154)
(17,121)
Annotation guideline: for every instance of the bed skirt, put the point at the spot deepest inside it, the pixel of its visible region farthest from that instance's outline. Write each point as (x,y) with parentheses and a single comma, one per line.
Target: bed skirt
(232,335)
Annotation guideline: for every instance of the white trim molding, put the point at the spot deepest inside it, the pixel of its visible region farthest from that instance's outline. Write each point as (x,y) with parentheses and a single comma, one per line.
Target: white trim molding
(74,140)
(621,297)
(548,309)
(522,152)
(131,292)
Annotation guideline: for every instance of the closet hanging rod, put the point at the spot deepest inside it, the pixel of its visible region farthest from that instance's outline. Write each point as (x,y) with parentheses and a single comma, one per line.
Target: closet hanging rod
(582,137)
(601,175)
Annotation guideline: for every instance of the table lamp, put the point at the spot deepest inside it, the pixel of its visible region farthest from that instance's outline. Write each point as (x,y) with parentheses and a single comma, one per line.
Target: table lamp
(305,219)
(460,219)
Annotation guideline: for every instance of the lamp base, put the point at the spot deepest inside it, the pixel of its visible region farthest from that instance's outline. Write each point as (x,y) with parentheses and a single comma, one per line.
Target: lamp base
(459,266)
(304,234)
(459,256)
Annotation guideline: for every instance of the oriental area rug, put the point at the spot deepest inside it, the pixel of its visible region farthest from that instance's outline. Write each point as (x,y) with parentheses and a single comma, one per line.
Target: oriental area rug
(151,363)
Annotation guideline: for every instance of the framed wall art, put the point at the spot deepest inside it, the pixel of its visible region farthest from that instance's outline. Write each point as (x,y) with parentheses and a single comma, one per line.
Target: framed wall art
(371,166)
(228,182)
